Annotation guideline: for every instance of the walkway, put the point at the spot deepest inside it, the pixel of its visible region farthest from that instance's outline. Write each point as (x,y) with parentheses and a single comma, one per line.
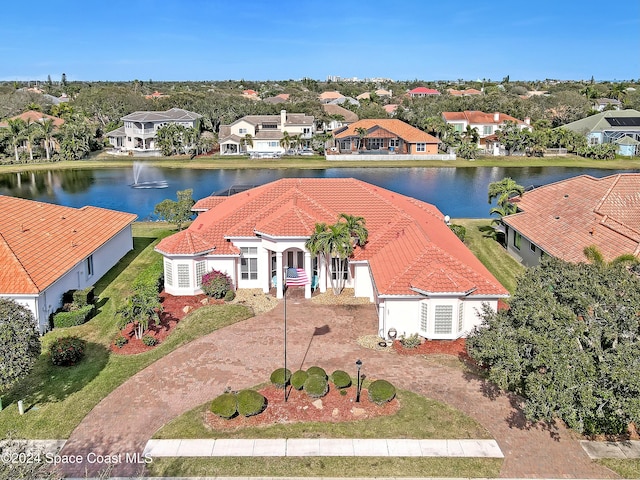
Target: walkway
(322,447)
(245,354)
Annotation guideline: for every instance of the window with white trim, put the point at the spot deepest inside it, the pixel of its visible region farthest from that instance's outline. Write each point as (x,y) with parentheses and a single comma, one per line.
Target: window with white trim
(394,142)
(443,320)
(200,271)
(249,263)
(242,131)
(424,317)
(460,316)
(487,129)
(183,276)
(421,147)
(90,266)
(335,265)
(458,127)
(168,273)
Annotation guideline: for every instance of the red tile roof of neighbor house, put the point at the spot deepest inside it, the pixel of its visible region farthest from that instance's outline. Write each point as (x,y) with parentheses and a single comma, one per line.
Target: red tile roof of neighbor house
(40,242)
(563,218)
(409,248)
(33,116)
(474,117)
(397,127)
(424,91)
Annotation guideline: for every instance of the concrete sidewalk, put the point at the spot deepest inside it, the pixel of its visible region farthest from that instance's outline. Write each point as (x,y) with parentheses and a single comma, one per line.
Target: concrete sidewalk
(322,447)
(622,450)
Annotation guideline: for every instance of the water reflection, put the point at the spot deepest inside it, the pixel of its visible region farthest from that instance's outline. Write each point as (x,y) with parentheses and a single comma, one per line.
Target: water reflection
(458,192)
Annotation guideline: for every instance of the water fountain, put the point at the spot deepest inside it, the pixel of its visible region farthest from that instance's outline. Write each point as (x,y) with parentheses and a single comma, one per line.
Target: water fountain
(137,170)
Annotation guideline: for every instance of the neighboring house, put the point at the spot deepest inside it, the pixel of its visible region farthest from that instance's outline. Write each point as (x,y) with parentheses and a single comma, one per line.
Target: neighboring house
(138,135)
(608,127)
(463,93)
(32,116)
(250,94)
(562,218)
(155,95)
(47,250)
(391,108)
(280,98)
(602,104)
(486,124)
(382,93)
(421,277)
(326,97)
(343,100)
(335,112)
(385,135)
(265,133)
(364,96)
(419,92)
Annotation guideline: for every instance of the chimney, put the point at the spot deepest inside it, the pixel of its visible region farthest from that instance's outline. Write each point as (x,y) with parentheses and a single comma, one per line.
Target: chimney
(496,117)
(283,117)
(527,120)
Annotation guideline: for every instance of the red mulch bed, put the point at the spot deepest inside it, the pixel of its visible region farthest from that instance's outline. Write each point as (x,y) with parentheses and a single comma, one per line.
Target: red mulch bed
(173,312)
(299,408)
(427,347)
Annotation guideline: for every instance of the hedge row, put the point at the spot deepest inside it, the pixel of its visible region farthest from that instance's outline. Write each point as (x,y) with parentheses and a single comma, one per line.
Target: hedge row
(151,277)
(72,318)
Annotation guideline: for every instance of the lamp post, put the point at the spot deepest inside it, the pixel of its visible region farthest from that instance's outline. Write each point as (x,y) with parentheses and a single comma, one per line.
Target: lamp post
(358,365)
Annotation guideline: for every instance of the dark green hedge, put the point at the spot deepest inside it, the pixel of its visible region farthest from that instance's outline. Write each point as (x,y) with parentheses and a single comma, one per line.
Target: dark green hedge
(316,386)
(150,277)
(83,297)
(298,378)
(317,371)
(280,378)
(341,379)
(73,318)
(250,402)
(381,391)
(225,406)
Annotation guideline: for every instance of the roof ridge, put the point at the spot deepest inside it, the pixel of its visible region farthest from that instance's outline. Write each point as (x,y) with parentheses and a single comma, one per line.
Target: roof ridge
(607,193)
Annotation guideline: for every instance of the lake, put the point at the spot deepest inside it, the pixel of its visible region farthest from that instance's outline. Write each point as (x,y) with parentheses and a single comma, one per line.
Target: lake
(457,192)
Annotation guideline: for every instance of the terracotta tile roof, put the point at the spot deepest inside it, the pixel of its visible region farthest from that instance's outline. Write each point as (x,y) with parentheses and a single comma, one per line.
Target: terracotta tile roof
(330,95)
(332,109)
(424,91)
(390,108)
(474,117)
(207,203)
(33,116)
(40,242)
(397,127)
(410,247)
(482,118)
(564,217)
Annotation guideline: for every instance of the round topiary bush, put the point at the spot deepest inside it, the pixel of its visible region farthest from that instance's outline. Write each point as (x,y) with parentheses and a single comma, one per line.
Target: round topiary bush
(341,379)
(225,406)
(381,391)
(67,351)
(317,371)
(250,403)
(298,378)
(316,386)
(280,377)
(149,340)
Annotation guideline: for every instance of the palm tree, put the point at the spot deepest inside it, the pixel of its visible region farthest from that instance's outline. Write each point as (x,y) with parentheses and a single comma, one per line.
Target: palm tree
(16,133)
(285,141)
(471,134)
(362,134)
(356,227)
(31,132)
(503,190)
(332,242)
(595,256)
(46,128)
(247,140)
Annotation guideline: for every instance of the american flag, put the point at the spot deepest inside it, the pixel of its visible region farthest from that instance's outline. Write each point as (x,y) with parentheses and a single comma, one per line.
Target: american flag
(300,281)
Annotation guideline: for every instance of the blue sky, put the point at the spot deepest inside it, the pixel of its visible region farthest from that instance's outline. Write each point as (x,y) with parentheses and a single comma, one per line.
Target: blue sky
(284,39)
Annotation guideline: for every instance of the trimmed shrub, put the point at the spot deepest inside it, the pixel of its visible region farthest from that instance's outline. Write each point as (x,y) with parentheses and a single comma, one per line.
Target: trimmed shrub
(150,278)
(83,297)
(317,371)
(341,379)
(412,341)
(381,391)
(120,341)
(65,351)
(316,386)
(229,296)
(280,377)
(459,230)
(73,317)
(250,402)
(149,340)
(216,284)
(298,378)
(225,406)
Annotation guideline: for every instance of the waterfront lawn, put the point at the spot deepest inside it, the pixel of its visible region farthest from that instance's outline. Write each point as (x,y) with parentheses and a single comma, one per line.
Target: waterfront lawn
(58,398)
(492,255)
(418,417)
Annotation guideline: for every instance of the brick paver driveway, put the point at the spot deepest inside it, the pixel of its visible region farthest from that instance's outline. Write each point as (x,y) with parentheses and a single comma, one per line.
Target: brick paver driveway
(244,354)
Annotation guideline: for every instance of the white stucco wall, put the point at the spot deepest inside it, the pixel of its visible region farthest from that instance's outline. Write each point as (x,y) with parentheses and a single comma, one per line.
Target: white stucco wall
(362,283)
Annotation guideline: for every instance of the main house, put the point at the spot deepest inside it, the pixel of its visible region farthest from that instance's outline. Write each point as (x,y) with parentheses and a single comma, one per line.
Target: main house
(385,135)
(47,250)
(621,127)
(261,134)
(486,124)
(138,134)
(421,277)
(562,218)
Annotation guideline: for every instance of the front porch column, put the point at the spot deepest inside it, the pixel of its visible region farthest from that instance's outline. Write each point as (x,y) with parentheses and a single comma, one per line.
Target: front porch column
(322,274)
(266,284)
(309,271)
(279,277)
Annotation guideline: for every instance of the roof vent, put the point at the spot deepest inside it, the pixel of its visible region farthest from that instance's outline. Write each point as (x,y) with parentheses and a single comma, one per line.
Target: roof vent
(557,217)
(566,195)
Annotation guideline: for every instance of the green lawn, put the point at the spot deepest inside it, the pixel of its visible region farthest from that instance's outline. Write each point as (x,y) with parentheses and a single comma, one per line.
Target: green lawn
(418,417)
(58,398)
(625,468)
(492,255)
